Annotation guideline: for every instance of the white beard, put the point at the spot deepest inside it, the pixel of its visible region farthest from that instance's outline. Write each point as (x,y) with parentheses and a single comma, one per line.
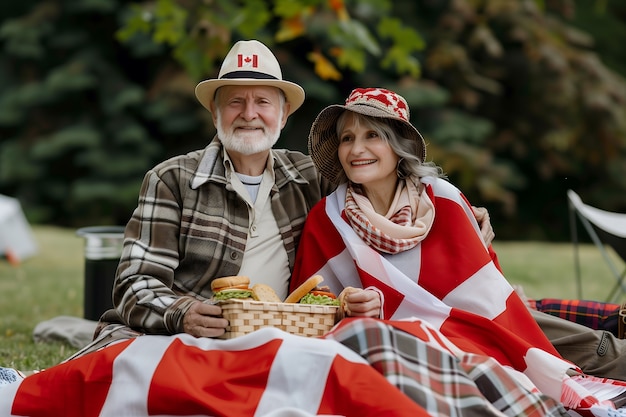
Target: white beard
(238,141)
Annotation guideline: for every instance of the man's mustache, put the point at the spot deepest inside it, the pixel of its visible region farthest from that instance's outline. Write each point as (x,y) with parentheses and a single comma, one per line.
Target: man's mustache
(248,126)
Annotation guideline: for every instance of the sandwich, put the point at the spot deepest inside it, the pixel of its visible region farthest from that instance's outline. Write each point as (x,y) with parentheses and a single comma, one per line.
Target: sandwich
(309,292)
(238,287)
(227,288)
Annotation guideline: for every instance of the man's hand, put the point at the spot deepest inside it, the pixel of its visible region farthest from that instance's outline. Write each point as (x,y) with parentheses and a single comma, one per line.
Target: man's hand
(482,217)
(204,320)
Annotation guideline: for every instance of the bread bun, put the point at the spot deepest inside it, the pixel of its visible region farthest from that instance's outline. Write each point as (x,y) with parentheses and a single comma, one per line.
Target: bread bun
(263,292)
(235,281)
(304,289)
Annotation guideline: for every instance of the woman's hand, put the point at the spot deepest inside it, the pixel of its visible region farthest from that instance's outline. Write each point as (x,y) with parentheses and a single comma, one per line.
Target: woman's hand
(204,320)
(356,302)
(482,217)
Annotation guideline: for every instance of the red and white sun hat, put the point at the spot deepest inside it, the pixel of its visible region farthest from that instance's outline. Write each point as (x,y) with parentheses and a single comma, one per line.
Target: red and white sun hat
(374,102)
(250,63)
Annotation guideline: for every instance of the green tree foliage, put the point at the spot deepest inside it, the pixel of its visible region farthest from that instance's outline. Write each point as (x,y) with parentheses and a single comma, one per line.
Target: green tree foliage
(81,116)
(514,100)
(330,47)
(511,95)
(558,112)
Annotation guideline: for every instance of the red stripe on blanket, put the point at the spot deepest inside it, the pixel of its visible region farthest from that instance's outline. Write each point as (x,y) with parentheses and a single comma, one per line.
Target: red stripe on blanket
(519,321)
(459,241)
(85,381)
(486,338)
(357,389)
(237,391)
(476,334)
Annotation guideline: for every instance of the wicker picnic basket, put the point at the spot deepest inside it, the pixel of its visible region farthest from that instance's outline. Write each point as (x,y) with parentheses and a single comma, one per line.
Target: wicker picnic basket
(246,316)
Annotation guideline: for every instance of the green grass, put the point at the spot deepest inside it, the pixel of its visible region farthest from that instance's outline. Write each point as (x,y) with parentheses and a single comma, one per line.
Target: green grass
(547,270)
(51,284)
(40,288)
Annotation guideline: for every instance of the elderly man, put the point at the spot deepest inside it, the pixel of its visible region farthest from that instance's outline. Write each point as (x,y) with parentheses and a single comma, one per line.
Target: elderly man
(220,211)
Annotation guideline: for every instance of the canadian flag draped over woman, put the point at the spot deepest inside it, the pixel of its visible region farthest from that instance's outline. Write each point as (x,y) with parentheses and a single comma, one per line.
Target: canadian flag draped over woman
(395,225)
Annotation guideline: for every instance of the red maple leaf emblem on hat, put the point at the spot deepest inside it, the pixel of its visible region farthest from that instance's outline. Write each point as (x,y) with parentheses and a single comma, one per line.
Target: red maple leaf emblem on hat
(247,60)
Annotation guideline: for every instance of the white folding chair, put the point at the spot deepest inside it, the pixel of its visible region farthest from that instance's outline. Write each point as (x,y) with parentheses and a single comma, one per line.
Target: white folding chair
(605,228)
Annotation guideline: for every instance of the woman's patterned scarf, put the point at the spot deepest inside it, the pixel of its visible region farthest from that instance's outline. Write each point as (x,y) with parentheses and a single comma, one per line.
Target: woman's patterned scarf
(406,224)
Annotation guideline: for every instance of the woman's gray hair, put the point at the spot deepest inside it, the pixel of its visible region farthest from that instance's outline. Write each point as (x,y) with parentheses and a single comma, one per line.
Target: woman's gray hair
(407,149)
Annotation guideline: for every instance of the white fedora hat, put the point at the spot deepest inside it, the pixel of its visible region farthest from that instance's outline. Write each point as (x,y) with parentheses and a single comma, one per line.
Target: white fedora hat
(250,63)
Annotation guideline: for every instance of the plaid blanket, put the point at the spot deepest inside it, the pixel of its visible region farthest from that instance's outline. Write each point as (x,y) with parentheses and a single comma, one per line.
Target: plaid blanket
(449,280)
(593,314)
(444,385)
(364,367)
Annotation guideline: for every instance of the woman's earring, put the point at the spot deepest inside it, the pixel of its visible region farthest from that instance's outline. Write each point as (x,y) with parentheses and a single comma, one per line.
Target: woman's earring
(399,173)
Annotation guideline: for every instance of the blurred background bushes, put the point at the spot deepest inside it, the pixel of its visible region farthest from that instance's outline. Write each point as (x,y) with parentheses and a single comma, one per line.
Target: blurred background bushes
(519,100)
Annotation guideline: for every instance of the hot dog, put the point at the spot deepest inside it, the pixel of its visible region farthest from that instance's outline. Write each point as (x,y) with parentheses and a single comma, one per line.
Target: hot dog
(309,292)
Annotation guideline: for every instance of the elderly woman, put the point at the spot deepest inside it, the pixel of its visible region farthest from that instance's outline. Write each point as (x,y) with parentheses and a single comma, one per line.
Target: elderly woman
(400,242)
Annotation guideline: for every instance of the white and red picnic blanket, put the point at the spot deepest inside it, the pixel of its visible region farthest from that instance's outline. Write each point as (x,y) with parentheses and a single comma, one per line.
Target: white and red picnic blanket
(456,341)
(449,280)
(364,367)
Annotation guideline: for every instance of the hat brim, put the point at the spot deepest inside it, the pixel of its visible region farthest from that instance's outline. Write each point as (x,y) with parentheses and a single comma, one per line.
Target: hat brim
(294,94)
(323,141)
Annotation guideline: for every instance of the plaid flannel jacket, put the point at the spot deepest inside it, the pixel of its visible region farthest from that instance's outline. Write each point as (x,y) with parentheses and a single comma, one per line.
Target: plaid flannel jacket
(190,227)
